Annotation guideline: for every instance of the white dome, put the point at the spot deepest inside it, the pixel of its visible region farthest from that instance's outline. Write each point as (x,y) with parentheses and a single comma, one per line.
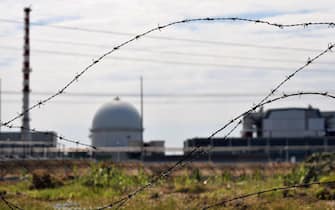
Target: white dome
(116,116)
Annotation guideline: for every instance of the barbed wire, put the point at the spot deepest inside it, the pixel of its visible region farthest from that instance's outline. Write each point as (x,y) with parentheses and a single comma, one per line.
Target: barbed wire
(48,133)
(273,91)
(168,38)
(253,108)
(280,84)
(197,150)
(10,205)
(158,28)
(240,197)
(119,203)
(163,61)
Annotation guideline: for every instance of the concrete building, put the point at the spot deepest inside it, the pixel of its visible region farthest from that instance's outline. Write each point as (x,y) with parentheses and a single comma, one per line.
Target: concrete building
(42,144)
(117,124)
(273,135)
(289,123)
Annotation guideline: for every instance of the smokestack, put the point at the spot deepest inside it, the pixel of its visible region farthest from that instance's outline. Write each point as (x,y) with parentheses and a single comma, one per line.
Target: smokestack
(25,133)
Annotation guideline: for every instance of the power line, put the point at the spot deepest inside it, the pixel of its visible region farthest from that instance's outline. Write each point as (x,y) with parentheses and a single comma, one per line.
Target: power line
(174,52)
(159,61)
(153,95)
(165,173)
(171,52)
(159,28)
(248,45)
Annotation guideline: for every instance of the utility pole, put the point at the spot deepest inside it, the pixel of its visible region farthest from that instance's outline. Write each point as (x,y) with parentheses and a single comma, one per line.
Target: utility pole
(25,131)
(142,129)
(0,104)
(141,89)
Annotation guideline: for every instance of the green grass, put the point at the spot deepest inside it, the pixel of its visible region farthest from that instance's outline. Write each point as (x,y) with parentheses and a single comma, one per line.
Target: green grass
(103,184)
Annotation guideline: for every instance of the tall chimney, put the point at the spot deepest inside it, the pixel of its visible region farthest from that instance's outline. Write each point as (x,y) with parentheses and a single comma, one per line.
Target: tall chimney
(25,131)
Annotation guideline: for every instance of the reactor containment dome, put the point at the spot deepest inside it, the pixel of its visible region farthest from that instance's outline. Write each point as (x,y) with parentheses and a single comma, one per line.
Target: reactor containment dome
(116,124)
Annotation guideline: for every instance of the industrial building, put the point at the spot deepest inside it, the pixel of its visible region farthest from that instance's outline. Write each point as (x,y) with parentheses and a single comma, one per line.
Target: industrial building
(40,145)
(289,123)
(286,134)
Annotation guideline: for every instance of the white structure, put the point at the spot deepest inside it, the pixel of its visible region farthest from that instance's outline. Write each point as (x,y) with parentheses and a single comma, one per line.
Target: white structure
(117,124)
(294,122)
(289,123)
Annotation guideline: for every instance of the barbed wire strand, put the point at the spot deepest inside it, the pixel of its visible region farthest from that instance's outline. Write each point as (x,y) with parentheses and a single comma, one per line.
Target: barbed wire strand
(287,78)
(48,133)
(273,91)
(223,203)
(9,204)
(199,150)
(153,181)
(169,38)
(158,28)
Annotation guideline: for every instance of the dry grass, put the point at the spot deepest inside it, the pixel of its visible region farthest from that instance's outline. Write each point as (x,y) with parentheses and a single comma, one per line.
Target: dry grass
(191,187)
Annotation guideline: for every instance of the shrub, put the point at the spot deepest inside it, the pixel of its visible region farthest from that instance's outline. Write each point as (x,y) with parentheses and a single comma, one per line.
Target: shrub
(43,181)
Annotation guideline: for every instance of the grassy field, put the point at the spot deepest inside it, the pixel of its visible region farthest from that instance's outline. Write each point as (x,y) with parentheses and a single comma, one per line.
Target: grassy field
(88,185)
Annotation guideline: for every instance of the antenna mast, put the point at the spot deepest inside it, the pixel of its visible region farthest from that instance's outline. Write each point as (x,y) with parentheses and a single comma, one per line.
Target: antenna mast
(142,129)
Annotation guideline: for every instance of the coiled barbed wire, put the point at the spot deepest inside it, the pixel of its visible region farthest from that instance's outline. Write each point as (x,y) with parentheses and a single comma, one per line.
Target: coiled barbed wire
(240,197)
(158,28)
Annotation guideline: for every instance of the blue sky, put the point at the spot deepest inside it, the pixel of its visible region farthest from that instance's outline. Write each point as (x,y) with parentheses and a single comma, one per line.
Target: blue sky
(169,119)
(54,20)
